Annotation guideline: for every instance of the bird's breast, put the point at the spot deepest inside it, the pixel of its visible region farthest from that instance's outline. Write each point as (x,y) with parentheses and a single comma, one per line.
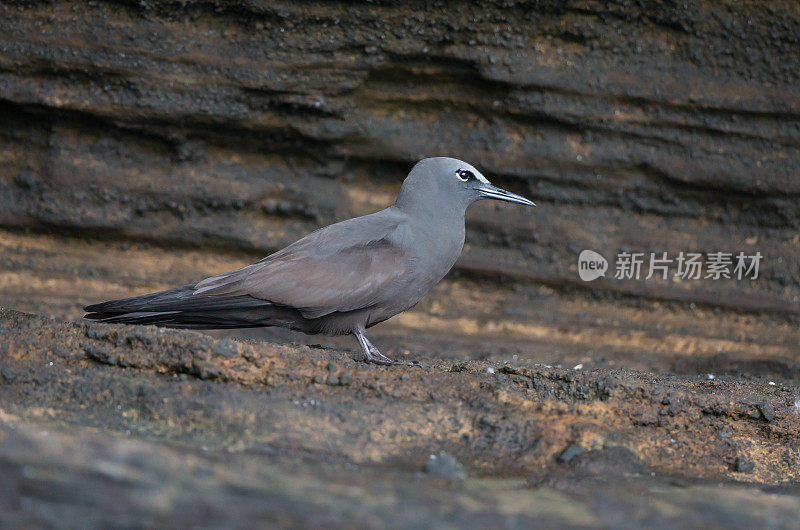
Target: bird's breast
(433,255)
(428,252)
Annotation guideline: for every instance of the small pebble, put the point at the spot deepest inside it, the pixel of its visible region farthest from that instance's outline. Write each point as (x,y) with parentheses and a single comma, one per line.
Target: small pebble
(25,180)
(445,466)
(225,348)
(766,410)
(570,452)
(743,465)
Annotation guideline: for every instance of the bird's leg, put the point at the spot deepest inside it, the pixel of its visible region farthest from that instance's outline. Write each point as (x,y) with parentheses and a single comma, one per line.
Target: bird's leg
(371,353)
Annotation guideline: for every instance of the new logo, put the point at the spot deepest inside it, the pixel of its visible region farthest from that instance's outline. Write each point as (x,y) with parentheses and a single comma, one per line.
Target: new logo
(591,265)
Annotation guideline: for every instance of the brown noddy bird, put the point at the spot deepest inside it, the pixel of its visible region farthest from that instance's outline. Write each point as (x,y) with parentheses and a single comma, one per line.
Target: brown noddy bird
(340,279)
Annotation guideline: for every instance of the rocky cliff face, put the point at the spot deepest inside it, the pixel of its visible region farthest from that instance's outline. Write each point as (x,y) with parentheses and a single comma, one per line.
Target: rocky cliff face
(147,144)
(219,133)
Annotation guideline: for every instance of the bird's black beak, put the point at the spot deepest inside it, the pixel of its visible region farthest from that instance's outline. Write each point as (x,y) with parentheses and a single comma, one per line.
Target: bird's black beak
(488,191)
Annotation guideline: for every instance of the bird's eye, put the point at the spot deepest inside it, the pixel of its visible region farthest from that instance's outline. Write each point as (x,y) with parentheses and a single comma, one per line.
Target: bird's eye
(465,175)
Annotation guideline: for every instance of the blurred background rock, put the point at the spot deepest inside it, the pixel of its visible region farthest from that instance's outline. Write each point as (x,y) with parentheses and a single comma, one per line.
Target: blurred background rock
(149,144)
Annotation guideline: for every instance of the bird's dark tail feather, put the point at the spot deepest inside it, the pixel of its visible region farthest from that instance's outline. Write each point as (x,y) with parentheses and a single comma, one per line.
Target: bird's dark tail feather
(181,308)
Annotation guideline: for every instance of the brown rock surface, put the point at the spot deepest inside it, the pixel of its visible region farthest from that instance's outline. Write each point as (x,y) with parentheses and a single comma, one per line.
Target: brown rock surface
(149,144)
(114,423)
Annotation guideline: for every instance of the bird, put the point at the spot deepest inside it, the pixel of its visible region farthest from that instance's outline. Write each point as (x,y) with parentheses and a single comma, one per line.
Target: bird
(341,279)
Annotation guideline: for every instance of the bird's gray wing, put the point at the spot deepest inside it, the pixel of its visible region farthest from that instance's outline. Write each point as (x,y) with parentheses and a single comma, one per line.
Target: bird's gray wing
(343,267)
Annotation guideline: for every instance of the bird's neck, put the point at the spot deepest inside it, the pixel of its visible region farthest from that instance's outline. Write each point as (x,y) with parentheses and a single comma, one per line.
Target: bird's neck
(431,208)
(441,228)
(441,216)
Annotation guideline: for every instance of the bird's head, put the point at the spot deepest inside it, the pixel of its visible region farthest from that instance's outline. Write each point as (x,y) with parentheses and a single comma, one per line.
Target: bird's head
(450,182)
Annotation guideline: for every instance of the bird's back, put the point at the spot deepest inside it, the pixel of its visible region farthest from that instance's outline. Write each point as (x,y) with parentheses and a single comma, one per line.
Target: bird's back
(384,259)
